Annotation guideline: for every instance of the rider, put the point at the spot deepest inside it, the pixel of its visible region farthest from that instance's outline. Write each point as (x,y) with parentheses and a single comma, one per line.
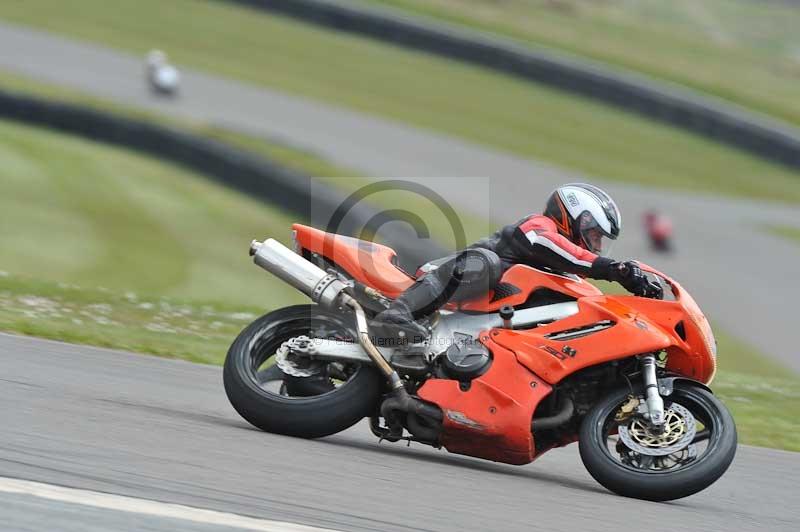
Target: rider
(568,238)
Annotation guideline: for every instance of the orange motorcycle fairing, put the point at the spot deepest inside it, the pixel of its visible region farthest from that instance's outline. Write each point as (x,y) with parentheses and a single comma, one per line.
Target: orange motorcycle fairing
(522,281)
(634,326)
(367,262)
(628,332)
(492,418)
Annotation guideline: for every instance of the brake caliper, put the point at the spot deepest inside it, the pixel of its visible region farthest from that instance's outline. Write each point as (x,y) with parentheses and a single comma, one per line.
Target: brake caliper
(627,409)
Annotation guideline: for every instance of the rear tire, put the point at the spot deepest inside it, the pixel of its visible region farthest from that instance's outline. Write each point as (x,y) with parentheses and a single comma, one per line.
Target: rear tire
(306,416)
(667,484)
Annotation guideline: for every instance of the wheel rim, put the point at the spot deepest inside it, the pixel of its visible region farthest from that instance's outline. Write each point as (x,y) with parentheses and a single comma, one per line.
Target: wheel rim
(692,432)
(266,342)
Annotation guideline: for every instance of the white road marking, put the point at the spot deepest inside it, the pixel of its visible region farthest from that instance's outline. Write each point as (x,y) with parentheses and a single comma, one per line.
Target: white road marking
(143,506)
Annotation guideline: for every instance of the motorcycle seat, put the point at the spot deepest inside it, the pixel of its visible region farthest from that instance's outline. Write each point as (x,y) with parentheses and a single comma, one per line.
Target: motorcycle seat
(367,262)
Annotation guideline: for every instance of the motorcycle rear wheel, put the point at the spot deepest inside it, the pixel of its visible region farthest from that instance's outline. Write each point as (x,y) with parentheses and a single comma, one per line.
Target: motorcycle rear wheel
(631,474)
(307,407)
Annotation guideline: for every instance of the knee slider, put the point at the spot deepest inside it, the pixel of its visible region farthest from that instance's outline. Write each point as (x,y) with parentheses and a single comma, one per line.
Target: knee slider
(479,271)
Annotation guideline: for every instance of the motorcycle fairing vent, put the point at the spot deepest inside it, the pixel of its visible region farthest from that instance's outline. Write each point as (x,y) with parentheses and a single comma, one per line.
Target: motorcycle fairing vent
(580,332)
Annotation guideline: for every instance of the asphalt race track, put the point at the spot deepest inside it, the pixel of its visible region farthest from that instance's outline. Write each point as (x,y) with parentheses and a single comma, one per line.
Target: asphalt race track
(159,429)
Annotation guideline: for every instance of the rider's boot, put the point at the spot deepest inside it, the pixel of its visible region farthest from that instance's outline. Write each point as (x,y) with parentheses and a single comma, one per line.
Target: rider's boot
(420,300)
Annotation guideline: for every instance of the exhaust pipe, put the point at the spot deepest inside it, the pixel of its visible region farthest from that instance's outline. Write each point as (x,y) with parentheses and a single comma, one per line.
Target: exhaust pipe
(325,289)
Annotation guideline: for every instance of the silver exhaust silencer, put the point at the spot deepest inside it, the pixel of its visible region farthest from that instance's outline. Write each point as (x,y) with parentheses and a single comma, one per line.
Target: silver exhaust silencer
(323,288)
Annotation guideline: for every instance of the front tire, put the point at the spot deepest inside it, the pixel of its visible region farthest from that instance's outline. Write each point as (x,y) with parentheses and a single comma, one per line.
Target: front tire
(303,407)
(687,471)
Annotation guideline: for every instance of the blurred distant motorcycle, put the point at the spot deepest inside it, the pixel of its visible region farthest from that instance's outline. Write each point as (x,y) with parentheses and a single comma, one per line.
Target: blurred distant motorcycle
(659,230)
(540,361)
(162,77)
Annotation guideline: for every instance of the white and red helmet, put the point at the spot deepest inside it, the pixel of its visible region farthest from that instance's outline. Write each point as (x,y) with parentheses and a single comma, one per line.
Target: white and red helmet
(586,215)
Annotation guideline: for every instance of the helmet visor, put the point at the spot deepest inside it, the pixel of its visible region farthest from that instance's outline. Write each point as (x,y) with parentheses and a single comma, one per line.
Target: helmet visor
(594,238)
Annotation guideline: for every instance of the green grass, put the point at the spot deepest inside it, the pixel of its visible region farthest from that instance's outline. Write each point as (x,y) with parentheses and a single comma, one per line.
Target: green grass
(765,409)
(745,51)
(169,327)
(763,396)
(430,92)
(102,246)
(785,231)
(321,170)
(79,212)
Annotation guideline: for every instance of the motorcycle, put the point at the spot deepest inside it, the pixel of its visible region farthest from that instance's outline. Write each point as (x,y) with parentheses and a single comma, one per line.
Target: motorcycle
(540,361)
(162,77)
(658,228)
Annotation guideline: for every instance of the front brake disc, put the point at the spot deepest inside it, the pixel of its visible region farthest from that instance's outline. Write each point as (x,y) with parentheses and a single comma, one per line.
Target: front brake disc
(679,431)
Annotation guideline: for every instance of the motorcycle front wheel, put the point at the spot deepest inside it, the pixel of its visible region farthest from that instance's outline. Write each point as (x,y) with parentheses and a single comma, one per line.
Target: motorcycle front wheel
(622,452)
(314,398)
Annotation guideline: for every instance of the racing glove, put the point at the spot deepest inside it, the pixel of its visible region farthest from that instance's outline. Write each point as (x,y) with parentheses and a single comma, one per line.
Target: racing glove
(631,277)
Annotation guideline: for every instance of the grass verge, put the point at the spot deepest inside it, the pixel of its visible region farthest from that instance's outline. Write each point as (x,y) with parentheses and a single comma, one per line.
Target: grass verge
(169,327)
(102,246)
(430,92)
(763,396)
(292,157)
(744,51)
(785,231)
(84,213)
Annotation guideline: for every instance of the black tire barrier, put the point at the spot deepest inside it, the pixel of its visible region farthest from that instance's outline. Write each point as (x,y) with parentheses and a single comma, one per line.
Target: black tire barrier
(679,107)
(243,171)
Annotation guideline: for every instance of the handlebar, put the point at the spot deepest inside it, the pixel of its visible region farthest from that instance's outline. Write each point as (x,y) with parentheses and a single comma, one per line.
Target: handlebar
(655,290)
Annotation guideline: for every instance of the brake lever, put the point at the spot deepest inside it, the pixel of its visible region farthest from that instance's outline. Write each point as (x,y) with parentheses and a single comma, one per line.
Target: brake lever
(654,290)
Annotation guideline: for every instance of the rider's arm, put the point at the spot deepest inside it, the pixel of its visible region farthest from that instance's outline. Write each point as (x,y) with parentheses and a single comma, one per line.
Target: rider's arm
(545,246)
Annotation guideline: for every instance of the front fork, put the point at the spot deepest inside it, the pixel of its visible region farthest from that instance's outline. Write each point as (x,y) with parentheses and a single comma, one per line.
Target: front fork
(653,400)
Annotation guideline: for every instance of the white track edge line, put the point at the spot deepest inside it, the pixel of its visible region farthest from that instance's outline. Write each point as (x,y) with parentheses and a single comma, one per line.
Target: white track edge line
(123,503)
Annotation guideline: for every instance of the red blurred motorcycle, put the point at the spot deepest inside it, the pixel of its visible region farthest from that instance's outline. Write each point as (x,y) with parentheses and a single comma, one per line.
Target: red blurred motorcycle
(659,230)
